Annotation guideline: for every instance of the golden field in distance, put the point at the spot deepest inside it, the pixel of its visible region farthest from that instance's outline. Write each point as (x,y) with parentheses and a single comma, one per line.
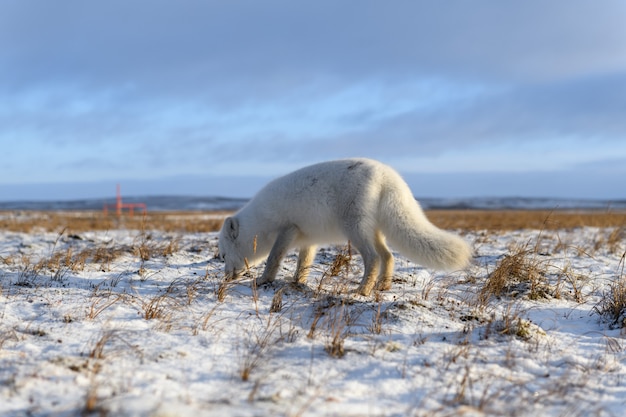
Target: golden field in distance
(190,222)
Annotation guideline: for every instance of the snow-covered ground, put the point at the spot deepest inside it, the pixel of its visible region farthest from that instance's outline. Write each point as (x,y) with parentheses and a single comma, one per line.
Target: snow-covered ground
(132,323)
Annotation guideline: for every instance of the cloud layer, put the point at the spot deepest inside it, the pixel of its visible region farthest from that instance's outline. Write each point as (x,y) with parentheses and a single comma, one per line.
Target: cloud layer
(144,89)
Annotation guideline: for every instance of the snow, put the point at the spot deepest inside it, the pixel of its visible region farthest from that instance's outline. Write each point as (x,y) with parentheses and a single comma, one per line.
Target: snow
(152,330)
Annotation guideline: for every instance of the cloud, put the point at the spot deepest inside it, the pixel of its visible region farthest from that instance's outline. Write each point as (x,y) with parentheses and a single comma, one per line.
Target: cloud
(271,47)
(555,117)
(167,88)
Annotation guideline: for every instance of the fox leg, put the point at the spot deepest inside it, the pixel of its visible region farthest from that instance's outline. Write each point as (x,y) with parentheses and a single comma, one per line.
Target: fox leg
(305,259)
(283,241)
(371,261)
(386,270)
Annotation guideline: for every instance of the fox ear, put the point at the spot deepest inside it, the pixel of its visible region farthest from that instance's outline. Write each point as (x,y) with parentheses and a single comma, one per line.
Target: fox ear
(231,225)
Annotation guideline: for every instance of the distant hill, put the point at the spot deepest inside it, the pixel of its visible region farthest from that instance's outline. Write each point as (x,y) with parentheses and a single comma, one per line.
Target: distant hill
(174,203)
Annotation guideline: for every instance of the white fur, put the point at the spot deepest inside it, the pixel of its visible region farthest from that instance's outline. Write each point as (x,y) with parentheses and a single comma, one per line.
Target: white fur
(360,200)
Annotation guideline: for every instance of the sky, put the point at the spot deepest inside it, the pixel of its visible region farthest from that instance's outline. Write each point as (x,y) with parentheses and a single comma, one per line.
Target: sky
(465,99)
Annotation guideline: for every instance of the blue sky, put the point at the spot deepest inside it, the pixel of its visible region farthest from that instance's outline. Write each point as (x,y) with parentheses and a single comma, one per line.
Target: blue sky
(481,98)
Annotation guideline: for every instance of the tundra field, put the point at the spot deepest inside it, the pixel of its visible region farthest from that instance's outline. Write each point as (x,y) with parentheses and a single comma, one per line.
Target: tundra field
(131,317)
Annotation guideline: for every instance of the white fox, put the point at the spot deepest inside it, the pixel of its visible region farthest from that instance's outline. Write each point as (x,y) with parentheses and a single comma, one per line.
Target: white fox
(360,200)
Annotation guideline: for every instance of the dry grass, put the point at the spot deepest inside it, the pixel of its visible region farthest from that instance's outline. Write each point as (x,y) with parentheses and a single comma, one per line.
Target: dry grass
(524,219)
(612,306)
(189,222)
(538,269)
(337,322)
(520,272)
(256,345)
(75,222)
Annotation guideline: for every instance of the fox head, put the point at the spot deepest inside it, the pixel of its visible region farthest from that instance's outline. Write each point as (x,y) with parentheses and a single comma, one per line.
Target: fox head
(230,249)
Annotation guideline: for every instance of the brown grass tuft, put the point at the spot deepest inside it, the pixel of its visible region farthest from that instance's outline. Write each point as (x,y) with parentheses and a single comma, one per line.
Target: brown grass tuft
(613,303)
(520,272)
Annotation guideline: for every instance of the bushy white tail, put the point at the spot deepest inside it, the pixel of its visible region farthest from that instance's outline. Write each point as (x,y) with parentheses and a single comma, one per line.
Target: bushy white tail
(409,231)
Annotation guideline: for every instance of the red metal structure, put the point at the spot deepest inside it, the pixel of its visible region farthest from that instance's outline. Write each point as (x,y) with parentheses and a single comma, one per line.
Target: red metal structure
(119,205)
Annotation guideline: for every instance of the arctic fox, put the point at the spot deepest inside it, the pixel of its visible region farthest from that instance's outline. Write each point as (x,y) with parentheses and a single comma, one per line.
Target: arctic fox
(360,200)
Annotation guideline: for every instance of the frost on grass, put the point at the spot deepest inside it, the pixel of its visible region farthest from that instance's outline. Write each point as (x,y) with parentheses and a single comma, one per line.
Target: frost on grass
(141,323)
